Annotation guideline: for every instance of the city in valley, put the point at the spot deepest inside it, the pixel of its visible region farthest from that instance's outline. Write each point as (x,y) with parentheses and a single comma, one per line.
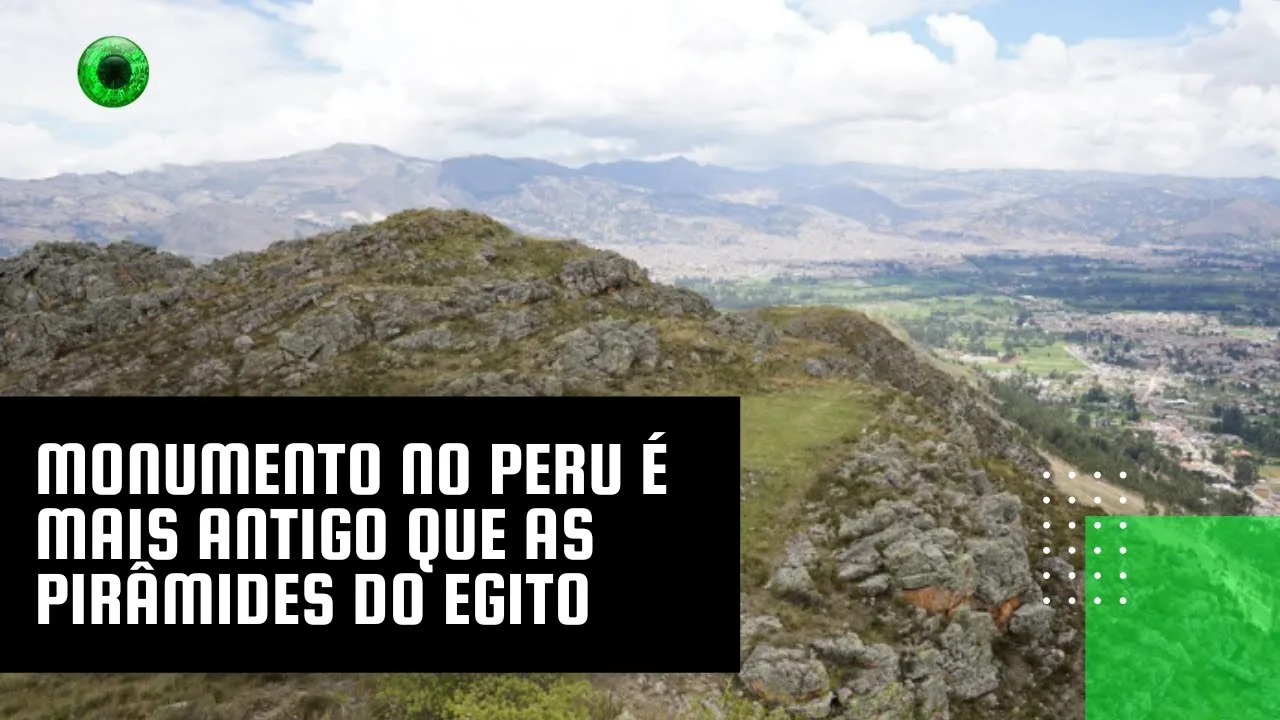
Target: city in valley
(1184,378)
(1166,372)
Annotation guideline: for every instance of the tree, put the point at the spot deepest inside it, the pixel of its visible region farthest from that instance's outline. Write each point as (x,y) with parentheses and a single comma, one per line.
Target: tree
(1232,422)
(1083,420)
(1246,474)
(1096,395)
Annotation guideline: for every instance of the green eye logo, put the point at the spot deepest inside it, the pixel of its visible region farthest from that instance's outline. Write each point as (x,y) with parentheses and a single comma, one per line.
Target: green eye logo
(113,72)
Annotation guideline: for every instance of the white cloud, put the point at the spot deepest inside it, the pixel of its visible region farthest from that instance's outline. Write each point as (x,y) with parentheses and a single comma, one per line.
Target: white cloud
(974,47)
(737,81)
(877,13)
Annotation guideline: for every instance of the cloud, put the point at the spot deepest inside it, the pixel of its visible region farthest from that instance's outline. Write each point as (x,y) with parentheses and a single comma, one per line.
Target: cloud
(877,13)
(746,82)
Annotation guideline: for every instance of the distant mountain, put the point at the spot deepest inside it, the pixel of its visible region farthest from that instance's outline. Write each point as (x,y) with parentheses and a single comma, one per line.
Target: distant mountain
(677,216)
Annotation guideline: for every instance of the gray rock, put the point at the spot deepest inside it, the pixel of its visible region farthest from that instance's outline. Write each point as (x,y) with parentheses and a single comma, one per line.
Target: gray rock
(1002,567)
(879,668)
(259,364)
(318,338)
(606,348)
(436,338)
(510,325)
(815,367)
(891,702)
(600,273)
(1034,622)
(818,708)
(884,515)
(210,375)
(875,585)
(793,582)
(1048,658)
(933,702)
(784,672)
(998,514)
(844,650)
(968,662)
(745,328)
(915,562)
(753,627)
(922,662)
(1057,568)
(665,301)
(858,562)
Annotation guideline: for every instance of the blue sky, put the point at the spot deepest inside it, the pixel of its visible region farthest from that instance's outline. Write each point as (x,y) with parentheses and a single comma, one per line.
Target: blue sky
(1076,20)
(1011,22)
(722,81)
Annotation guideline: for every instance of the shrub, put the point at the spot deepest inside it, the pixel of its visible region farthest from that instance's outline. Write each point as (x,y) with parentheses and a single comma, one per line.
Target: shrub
(450,696)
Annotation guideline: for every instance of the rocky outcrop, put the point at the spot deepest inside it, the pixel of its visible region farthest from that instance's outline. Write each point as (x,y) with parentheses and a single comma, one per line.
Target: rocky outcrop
(908,591)
(940,561)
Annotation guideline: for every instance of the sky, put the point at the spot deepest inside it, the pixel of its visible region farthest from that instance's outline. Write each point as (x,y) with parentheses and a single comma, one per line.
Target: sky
(1180,86)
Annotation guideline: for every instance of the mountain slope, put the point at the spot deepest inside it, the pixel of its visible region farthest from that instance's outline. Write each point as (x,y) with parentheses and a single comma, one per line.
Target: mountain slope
(891,518)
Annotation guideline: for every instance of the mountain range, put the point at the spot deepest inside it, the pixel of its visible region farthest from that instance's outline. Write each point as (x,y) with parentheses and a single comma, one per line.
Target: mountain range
(677,217)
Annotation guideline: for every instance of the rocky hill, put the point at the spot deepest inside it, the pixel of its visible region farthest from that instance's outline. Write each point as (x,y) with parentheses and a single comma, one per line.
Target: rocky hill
(893,523)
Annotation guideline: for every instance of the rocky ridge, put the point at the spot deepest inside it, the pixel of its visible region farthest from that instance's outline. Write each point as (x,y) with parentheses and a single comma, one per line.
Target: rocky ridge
(911,583)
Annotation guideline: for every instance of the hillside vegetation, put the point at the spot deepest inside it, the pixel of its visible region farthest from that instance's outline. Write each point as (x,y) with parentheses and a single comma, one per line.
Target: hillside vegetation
(893,522)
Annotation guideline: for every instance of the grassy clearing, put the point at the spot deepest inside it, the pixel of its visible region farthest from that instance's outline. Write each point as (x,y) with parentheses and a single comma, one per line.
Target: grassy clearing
(1041,361)
(1085,488)
(834,291)
(784,439)
(1260,334)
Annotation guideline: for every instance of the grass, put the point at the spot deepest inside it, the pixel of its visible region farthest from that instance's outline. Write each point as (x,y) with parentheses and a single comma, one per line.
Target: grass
(1041,361)
(1262,334)
(784,439)
(833,291)
(237,696)
(173,696)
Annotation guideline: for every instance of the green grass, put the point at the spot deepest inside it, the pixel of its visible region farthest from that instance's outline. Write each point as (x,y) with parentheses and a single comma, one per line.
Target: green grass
(1041,361)
(836,292)
(784,437)
(1262,334)
(237,696)
(172,696)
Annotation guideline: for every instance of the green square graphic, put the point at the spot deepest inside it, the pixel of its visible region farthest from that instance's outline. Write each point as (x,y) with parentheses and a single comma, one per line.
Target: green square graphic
(1181,618)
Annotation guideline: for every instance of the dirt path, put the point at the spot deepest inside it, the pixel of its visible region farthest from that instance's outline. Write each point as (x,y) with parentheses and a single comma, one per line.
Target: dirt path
(1155,383)
(1084,488)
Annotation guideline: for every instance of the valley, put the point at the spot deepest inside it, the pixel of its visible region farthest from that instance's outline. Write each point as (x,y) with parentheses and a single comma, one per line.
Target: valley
(1183,361)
